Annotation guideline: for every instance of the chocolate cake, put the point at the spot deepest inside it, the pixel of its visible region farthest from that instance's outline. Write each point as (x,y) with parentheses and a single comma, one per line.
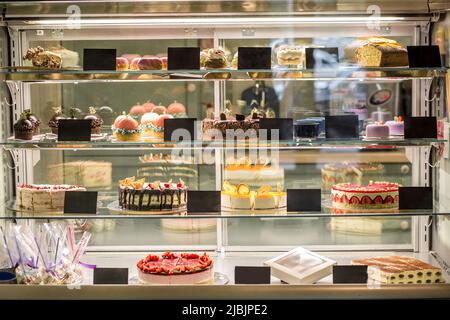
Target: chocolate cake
(141,196)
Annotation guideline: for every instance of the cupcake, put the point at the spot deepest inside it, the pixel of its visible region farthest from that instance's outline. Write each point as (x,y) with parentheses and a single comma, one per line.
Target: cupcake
(125,128)
(216,59)
(23,128)
(54,120)
(34,120)
(148,123)
(177,110)
(96,121)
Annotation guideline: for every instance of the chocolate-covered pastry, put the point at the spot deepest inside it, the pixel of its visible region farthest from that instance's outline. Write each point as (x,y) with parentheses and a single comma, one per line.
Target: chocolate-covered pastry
(34,120)
(54,120)
(23,128)
(96,121)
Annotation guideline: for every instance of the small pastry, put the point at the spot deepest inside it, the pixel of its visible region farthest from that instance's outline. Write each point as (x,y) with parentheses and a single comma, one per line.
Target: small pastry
(107,114)
(216,59)
(34,120)
(176,109)
(147,63)
(159,109)
(234,62)
(290,55)
(42,58)
(121,64)
(158,131)
(148,123)
(148,106)
(137,111)
(96,121)
(54,120)
(23,128)
(125,128)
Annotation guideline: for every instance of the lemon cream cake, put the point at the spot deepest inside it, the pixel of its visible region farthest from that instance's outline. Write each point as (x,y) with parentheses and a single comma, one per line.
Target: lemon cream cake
(40,197)
(178,269)
(241,196)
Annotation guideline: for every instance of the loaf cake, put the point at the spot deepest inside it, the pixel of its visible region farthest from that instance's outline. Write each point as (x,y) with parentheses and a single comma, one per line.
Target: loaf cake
(381,52)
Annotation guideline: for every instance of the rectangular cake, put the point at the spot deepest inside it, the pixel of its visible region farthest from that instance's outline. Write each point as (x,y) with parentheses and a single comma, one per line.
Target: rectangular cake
(400,270)
(41,197)
(381,52)
(91,174)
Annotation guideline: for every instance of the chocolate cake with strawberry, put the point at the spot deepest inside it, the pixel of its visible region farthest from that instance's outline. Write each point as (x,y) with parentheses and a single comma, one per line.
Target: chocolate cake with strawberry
(138,195)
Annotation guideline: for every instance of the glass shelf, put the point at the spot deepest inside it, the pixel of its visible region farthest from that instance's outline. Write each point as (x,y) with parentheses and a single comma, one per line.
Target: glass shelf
(344,72)
(106,144)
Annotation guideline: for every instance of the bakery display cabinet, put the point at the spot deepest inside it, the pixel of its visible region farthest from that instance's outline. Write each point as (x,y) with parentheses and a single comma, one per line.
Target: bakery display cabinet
(182,140)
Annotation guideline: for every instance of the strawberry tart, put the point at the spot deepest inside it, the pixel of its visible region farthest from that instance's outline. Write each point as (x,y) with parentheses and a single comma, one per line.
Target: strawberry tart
(374,196)
(177,269)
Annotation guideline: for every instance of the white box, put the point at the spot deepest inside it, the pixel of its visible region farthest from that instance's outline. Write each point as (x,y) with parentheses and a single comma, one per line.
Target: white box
(300,266)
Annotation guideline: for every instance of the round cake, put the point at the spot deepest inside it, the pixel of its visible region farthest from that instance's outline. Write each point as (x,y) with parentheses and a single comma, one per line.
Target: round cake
(377,130)
(351,172)
(396,127)
(178,269)
(139,195)
(375,195)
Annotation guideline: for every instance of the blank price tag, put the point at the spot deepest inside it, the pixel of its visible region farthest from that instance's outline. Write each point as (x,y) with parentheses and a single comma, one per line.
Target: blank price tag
(317,58)
(84,202)
(415,198)
(99,59)
(203,201)
(186,58)
(111,276)
(179,129)
(303,200)
(350,274)
(254,58)
(424,57)
(251,275)
(285,127)
(420,127)
(74,130)
(342,127)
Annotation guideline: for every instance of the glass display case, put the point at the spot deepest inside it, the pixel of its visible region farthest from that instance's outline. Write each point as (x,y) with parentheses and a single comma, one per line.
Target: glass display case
(377,197)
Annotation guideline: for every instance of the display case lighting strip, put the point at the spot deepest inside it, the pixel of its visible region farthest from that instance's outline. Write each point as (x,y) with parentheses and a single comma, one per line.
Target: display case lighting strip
(233,21)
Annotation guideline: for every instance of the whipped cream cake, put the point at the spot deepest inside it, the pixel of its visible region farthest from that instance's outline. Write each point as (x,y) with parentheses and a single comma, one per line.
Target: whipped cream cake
(178,269)
(400,270)
(41,197)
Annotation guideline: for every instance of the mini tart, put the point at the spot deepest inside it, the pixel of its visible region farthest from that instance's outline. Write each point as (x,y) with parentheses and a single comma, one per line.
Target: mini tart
(172,268)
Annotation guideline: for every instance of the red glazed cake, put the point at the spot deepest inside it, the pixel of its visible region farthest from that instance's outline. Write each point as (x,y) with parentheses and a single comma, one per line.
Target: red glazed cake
(375,195)
(172,268)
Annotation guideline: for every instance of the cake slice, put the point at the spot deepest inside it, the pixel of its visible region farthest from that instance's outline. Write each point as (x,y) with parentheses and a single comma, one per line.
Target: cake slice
(400,270)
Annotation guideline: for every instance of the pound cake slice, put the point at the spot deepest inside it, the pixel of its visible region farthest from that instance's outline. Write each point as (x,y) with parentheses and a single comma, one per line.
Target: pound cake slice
(400,270)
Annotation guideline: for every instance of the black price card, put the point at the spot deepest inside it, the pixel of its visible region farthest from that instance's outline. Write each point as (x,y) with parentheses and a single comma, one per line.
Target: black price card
(184,58)
(111,276)
(179,129)
(350,274)
(342,127)
(99,59)
(420,127)
(84,202)
(203,202)
(251,275)
(74,130)
(303,200)
(254,58)
(317,58)
(424,57)
(415,198)
(285,127)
